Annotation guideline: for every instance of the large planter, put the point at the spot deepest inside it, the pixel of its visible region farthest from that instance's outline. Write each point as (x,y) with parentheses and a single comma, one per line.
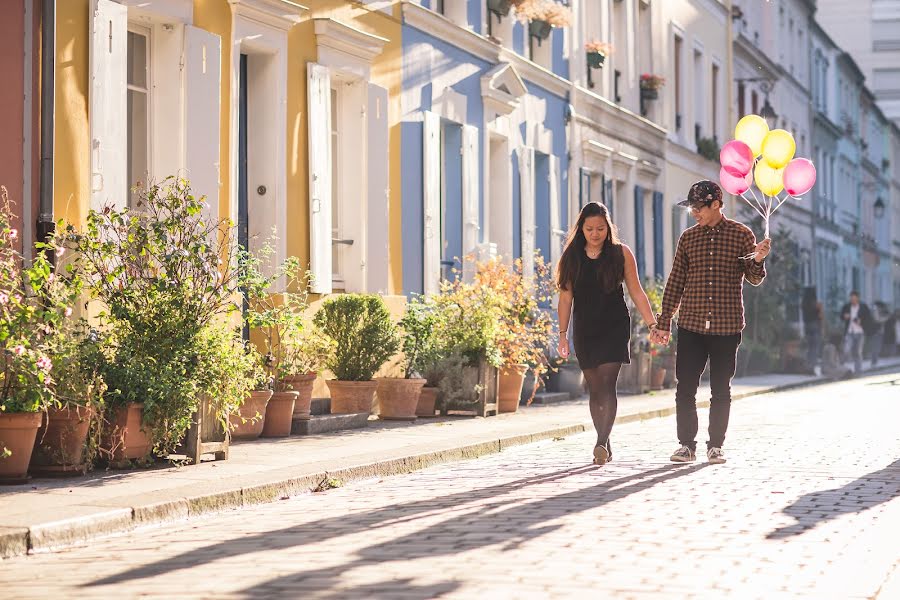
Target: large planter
(351,396)
(509,387)
(303,385)
(571,380)
(667,362)
(427,402)
(248,422)
(595,59)
(17,434)
(398,398)
(60,443)
(634,378)
(279,414)
(540,29)
(499,7)
(125,439)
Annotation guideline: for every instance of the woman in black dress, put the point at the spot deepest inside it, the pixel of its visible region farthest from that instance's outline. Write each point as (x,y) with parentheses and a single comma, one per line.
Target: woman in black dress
(590,274)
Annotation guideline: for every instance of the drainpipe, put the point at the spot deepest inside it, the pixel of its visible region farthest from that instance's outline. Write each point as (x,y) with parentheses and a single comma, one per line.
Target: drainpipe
(48,81)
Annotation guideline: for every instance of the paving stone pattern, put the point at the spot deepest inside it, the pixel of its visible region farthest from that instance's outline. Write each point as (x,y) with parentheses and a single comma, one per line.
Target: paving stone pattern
(808,506)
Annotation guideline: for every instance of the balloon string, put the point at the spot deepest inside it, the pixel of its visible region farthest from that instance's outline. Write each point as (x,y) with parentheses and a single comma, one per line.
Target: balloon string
(752,205)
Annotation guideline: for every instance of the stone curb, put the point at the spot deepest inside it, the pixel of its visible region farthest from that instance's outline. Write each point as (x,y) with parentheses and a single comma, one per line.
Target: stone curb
(54,535)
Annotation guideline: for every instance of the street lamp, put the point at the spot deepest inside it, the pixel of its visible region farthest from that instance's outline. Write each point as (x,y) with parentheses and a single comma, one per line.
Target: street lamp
(766,85)
(879,208)
(768,113)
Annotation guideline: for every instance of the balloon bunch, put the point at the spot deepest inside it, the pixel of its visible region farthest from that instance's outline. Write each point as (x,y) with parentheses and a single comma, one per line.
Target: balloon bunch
(767,158)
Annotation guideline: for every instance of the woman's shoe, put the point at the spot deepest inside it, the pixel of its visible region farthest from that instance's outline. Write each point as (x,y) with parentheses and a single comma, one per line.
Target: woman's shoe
(601,455)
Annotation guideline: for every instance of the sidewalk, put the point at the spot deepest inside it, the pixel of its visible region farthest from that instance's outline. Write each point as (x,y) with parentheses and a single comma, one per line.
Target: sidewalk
(48,514)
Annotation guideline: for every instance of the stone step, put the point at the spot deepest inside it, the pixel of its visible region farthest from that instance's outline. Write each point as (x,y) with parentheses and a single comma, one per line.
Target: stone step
(325,423)
(550,397)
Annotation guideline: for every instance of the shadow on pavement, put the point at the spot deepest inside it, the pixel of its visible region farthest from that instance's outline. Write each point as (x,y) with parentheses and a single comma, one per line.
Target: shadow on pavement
(508,527)
(815,508)
(519,524)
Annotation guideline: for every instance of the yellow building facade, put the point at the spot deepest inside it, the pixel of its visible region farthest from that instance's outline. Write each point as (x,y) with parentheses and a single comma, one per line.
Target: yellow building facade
(285,116)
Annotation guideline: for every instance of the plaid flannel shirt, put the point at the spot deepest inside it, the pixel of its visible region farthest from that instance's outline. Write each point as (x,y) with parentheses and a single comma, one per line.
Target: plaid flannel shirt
(706,282)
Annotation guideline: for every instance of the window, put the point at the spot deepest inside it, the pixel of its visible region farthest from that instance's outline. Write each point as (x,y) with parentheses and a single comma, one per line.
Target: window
(337,278)
(679,49)
(138,144)
(715,100)
(700,94)
(741,92)
(754,102)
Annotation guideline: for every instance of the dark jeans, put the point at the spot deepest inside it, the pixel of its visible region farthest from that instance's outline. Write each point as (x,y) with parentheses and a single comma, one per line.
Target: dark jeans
(693,352)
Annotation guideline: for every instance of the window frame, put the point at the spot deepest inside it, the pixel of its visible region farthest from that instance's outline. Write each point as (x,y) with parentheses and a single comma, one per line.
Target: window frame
(147,34)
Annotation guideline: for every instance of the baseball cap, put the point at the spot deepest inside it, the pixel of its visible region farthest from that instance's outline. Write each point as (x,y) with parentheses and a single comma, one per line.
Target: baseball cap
(703,192)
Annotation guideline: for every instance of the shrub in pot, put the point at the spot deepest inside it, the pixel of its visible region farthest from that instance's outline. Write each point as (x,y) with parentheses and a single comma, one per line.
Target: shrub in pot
(165,277)
(364,338)
(398,398)
(526,330)
(293,351)
(30,310)
(246,422)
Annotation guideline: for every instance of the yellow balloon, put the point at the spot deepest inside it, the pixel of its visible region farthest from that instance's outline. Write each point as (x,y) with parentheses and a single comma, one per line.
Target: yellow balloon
(768,180)
(752,130)
(778,148)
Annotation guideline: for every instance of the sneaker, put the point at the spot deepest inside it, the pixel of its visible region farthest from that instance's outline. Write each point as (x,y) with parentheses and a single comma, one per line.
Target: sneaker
(684,455)
(715,456)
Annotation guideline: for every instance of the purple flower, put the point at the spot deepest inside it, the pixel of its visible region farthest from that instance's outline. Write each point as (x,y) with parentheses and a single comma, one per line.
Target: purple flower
(13,234)
(44,363)
(4,298)
(19,350)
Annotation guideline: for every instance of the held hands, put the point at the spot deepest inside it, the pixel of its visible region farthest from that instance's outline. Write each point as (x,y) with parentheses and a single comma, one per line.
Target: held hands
(660,337)
(762,250)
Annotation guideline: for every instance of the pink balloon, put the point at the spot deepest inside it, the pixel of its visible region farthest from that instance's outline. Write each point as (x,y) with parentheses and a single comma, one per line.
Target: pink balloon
(799,176)
(736,158)
(735,185)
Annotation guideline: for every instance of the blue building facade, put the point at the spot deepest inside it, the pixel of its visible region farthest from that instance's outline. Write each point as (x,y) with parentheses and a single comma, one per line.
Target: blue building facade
(484,108)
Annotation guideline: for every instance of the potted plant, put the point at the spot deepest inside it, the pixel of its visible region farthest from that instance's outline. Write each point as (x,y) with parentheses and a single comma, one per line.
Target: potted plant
(501,8)
(364,338)
(525,334)
(542,16)
(293,351)
(597,52)
(246,423)
(28,316)
(398,398)
(650,85)
(165,276)
(63,444)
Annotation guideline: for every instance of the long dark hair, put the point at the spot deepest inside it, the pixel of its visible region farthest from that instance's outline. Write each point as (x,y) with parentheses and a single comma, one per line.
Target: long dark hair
(612,261)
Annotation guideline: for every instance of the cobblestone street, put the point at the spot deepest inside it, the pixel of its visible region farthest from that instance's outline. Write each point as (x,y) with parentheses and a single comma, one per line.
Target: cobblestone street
(807,506)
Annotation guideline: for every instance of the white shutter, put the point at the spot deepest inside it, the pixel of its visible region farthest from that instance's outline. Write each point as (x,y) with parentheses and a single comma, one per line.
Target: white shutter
(202,106)
(431,183)
(319,119)
(108,110)
(526,200)
(471,186)
(557,235)
(377,259)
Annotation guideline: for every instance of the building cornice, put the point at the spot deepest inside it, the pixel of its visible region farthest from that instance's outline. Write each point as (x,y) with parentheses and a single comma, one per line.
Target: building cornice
(833,128)
(444,29)
(502,88)
(618,123)
(281,14)
(341,37)
(537,74)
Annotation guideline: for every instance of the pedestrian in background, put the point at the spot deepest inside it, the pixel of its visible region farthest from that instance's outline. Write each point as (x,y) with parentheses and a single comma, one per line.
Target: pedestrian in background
(706,288)
(857,319)
(813,327)
(880,316)
(593,266)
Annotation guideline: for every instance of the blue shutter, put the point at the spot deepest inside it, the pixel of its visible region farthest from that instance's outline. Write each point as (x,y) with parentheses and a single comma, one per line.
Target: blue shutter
(639,230)
(658,267)
(584,187)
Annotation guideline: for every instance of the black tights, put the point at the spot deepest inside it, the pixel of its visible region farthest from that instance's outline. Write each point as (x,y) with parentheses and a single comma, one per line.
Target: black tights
(601,382)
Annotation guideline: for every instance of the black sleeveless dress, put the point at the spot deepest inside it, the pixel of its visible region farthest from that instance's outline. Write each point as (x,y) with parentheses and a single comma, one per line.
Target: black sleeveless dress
(602,325)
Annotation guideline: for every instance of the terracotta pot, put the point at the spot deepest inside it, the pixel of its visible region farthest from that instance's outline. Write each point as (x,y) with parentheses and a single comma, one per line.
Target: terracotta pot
(657,378)
(125,438)
(399,398)
(427,402)
(510,387)
(303,385)
(279,414)
(17,434)
(351,396)
(248,422)
(60,442)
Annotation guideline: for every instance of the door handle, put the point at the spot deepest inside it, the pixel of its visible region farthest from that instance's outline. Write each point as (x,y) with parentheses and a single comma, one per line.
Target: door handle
(343,242)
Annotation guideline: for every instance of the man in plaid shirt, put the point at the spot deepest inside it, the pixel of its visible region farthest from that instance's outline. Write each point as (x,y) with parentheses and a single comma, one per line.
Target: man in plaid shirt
(705,286)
